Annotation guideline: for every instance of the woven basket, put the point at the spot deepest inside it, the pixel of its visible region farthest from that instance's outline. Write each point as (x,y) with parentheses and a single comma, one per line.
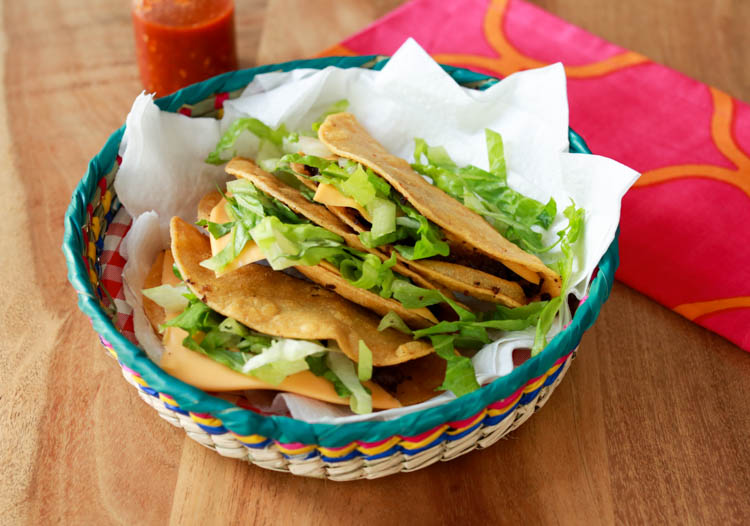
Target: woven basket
(337,452)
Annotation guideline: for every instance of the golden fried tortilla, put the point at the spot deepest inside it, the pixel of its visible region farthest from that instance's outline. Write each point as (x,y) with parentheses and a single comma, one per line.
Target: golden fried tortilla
(327,275)
(202,372)
(322,216)
(277,304)
(207,203)
(346,137)
(153,311)
(473,282)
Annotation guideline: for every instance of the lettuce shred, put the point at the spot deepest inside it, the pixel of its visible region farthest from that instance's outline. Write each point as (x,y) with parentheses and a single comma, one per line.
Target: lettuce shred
(487,193)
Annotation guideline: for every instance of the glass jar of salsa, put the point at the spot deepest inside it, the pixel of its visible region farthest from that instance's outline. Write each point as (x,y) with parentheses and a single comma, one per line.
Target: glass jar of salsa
(180,42)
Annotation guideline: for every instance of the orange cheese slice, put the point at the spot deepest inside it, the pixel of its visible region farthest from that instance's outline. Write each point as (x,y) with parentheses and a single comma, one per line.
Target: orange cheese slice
(202,372)
(250,253)
(328,194)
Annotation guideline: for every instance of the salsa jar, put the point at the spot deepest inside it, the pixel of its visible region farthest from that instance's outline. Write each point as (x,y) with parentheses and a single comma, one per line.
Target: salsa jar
(180,42)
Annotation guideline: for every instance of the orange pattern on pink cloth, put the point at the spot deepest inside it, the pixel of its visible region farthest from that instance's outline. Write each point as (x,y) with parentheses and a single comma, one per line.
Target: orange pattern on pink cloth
(695,310)
(721,133)
(509,59)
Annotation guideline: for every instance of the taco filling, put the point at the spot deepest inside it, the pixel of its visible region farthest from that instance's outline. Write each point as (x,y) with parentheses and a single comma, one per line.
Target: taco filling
(381,246)
(432,230)
(244,331)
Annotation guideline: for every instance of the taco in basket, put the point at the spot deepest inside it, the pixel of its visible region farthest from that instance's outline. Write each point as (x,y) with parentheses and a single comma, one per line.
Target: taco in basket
(262,218)
(346,214)
(259,329)
(480,261)
(437,238)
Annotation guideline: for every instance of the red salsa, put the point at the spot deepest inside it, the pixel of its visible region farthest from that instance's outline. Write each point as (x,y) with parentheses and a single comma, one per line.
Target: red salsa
(180,42)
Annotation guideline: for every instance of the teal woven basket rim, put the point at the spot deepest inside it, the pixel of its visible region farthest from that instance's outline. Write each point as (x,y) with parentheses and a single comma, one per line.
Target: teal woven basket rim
(283,429)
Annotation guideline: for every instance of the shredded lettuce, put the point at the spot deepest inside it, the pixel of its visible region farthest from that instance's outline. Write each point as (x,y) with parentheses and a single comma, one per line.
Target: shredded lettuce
(414,297)
(517,217)
(358,187)
(171,297)
(360,400)
(466,333)
(335,367)
(460,377)
(419,237)
(391,320)
(319,367)
(216,230)
(286,245)
(364,362)
(222,339)
(287,239)
(267,135)
(429,240)
(282,358)
(336,107)
(567,239)
(228,342)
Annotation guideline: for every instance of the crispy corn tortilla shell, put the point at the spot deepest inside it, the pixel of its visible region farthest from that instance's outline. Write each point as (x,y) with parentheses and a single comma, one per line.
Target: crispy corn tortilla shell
(350,217)
(418,380)
(208,203)
(317,213)
(265,182)
(279,305)
(154,312)
(474,283)
(202,372)
(327,275)
(344,136)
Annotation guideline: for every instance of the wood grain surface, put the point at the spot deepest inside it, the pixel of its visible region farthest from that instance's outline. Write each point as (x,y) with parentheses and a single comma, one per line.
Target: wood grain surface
(651,424)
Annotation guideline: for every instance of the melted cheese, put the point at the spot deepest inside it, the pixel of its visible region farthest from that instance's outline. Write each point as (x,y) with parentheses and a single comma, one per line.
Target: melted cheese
(328,194)
(250,254)
(202,372)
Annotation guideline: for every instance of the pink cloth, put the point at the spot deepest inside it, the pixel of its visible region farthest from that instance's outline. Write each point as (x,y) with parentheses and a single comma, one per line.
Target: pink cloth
(685,227)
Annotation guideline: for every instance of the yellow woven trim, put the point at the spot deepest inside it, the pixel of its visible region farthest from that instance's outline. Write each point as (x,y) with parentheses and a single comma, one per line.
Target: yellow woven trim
(297,450)
(336,453)
(167,399)
(213,422)
(137,379)
(537,384)
(95,227)
(473,422)
(430,438)
(106,201)
(509,407)
(385,446)
(250,439)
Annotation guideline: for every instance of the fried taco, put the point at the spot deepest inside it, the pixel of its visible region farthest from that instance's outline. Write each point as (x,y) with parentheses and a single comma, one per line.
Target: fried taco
(394,212)
(327,222)
(249,330)
(476,247)
(262,218)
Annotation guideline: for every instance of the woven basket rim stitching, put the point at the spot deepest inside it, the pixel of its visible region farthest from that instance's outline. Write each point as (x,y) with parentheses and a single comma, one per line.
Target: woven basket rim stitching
(286,429)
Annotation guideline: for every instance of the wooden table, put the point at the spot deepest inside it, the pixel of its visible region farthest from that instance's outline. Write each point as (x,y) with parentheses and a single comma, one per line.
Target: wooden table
(650,425)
